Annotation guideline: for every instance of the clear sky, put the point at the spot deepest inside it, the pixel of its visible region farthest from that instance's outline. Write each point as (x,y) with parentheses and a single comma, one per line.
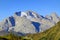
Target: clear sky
(43,7)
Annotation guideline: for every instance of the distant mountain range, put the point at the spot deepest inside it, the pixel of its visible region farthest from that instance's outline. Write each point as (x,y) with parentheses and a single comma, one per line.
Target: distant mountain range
(28,22)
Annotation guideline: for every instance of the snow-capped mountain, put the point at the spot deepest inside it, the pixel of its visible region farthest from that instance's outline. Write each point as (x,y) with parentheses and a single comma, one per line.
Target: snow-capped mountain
(28,22)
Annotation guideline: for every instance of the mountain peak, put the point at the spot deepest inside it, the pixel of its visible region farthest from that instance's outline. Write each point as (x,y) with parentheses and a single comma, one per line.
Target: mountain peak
(53,14)
(55,17)
(27,14)
(18,13)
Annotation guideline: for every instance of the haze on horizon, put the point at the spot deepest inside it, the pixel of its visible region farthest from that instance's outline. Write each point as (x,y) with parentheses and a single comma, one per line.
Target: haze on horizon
(42,7)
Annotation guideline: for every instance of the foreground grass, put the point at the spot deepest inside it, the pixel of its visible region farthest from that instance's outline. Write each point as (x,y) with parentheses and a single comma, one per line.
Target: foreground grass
(14,37)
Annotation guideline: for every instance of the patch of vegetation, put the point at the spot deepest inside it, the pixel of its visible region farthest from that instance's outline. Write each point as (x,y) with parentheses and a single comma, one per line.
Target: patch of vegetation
(43,38)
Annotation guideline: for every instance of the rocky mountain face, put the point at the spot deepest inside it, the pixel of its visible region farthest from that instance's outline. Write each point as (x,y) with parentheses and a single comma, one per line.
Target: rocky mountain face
(28,22)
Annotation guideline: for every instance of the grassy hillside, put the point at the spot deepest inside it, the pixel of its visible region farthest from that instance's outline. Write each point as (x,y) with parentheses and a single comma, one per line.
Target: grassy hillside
(51,34)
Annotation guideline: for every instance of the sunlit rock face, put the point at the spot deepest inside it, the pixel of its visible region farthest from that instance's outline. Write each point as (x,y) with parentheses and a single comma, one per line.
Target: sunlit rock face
(24,25)
(54,17)
(28,22)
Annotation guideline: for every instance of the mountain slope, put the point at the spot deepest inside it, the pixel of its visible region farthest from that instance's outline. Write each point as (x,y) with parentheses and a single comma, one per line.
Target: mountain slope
(28,22)
(50,34)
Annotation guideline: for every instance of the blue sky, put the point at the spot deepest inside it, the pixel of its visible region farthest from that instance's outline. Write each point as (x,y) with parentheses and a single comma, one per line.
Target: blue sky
(42,7)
